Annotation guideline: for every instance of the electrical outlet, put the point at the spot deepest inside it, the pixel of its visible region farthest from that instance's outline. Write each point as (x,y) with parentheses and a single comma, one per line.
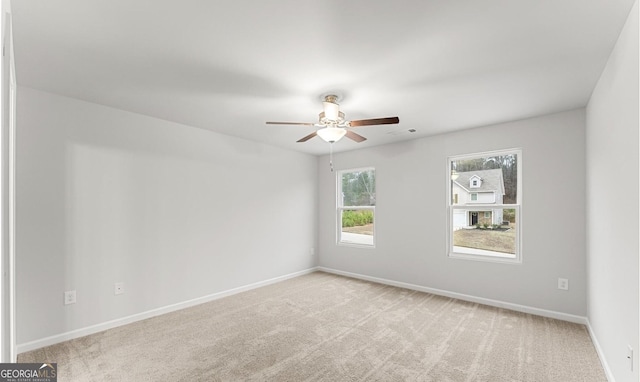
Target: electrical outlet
(118,288)
(70,297)
(563,284)
(630,356)
(312,251)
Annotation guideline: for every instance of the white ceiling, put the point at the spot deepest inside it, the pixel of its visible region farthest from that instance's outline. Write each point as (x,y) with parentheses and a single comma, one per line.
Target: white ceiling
(231,65)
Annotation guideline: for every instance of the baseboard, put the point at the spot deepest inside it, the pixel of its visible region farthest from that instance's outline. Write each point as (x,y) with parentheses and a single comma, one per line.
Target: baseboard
(37,344)
(603,360)
(464,297)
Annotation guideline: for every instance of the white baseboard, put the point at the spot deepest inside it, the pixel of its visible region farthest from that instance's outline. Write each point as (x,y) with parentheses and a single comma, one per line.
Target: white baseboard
(37,344)
(465,297)
(603,360)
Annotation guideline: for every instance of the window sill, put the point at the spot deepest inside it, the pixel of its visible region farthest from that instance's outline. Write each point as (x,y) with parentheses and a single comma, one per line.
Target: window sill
(355,244)
(484,256)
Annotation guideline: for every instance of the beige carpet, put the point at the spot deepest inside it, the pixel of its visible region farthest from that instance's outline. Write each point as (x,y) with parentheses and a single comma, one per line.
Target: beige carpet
(322,327)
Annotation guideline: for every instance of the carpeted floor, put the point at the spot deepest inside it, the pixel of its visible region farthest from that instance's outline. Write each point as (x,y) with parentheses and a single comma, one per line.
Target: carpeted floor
(323,327)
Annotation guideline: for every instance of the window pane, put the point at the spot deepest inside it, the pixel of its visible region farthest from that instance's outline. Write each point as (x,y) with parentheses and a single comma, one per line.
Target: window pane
(358,188)
(356,201)
(494,179)
(357,226)
(488,232)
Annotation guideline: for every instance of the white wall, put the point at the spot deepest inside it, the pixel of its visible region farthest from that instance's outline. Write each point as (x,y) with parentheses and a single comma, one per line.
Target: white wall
(411,216)
(174,212)
(612,205)
(7,116)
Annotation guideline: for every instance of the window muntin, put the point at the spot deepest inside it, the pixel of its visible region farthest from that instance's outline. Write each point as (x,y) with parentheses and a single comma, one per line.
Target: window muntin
(484,223)
(356,207)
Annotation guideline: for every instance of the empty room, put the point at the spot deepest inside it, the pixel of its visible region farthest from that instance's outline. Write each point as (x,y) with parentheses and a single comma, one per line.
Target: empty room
(320,191)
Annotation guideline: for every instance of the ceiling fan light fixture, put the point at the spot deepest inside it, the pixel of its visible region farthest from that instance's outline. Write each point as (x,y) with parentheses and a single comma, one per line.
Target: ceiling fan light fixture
(331,134)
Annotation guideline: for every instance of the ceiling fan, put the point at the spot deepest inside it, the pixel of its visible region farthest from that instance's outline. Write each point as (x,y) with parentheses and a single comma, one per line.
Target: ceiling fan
(333,126)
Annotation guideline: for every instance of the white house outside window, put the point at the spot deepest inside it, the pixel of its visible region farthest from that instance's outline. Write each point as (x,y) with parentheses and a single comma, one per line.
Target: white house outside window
(484,207)
(356,207)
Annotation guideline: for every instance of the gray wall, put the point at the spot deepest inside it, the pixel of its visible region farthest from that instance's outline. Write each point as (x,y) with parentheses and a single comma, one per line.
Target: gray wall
(411,213)
(612,206)
(174,212)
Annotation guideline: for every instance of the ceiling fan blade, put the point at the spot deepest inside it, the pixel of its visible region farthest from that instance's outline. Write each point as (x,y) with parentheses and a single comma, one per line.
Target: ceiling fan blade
(304,139)
(375,121)
(291,123)
(355,137)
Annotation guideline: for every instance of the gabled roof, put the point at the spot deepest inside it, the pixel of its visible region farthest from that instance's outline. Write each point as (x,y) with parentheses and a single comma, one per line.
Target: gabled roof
(491,181)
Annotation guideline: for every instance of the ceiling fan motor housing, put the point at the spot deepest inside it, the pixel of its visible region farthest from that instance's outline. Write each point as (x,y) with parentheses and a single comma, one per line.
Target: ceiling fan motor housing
(324,120)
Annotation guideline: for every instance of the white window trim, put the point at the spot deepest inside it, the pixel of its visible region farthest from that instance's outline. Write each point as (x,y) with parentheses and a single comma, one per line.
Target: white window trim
(340,208)
(518,207)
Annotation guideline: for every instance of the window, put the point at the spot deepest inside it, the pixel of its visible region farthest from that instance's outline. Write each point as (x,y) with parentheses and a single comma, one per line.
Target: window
(356,207)
(485,224)
(475,181)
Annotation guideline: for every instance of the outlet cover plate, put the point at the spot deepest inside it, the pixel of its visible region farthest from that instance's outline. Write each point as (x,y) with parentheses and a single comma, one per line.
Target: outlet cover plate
(563,284)
(70,297)
(118,288)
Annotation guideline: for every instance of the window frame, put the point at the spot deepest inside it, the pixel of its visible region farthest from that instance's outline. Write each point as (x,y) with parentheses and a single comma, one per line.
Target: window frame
(517,258)
(341,208)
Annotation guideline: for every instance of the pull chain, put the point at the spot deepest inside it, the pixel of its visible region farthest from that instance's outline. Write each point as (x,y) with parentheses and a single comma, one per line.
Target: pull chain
(331,156)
